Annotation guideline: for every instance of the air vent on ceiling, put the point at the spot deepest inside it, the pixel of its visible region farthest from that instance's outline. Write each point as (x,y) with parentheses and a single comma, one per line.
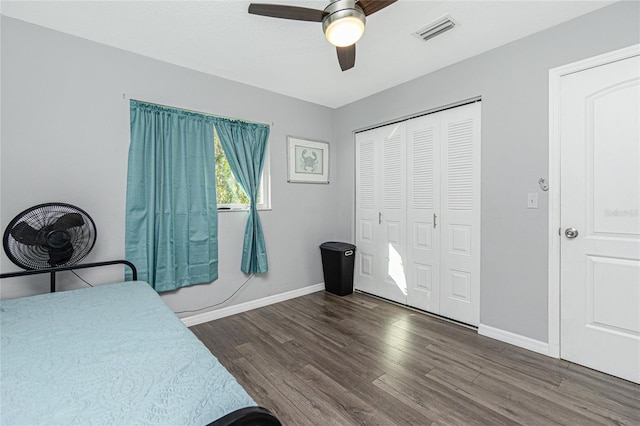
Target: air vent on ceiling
(435,28)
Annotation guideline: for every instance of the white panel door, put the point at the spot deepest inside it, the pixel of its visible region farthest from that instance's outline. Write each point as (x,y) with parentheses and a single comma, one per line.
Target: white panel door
(423,204)
(600,193)
(460,214)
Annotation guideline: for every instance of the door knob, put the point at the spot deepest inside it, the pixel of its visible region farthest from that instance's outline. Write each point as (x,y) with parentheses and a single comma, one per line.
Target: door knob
(571,232)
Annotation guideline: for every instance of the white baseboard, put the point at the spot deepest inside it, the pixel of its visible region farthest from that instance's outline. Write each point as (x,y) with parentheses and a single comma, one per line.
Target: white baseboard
(243,307)
(514,339)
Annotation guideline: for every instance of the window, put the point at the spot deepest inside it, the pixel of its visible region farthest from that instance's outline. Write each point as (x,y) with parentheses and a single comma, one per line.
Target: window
(229,195)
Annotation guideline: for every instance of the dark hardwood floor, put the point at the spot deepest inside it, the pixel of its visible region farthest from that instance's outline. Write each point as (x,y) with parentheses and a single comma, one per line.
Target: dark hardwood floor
(327,360)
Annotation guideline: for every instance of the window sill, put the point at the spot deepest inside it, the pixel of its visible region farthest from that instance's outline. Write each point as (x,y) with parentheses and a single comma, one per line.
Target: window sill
(240,209)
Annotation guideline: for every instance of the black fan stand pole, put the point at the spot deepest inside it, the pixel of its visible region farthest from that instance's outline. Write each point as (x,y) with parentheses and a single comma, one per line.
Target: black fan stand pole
(52,271)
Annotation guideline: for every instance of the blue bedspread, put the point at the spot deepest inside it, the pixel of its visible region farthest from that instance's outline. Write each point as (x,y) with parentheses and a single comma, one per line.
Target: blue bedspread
(113,354)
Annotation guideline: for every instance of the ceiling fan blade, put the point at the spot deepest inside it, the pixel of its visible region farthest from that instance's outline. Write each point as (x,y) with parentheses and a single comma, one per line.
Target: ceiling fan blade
(287,12)
(347,56)
(372,6)
(25,234)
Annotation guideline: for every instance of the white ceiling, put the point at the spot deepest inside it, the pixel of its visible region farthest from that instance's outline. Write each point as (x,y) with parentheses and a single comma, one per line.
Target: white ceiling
(291,57)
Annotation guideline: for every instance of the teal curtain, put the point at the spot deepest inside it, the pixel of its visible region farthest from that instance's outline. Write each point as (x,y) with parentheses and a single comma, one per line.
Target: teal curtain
(244,145)
(171,219)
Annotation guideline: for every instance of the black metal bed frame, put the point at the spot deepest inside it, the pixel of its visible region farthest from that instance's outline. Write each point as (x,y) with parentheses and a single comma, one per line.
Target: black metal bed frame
(53,271)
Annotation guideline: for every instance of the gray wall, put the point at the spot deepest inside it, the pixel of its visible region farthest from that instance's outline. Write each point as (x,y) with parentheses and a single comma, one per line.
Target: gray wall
(513,83)
(65,137)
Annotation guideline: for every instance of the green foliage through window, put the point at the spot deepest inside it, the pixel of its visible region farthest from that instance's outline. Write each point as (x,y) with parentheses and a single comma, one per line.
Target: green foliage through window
(227,189)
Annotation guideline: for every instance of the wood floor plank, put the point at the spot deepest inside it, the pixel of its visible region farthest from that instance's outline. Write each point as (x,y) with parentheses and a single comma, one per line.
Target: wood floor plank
(304,397)
(438,402)
(352,406)
(481,358)
(217,337)
(521,406)
(386,347)
(263,317)
(591,405)
(268,344)
(562,407)
(358,360)
(401,413)
(622,391)
(266,393)
(312,325)
(342,365)
(457,366)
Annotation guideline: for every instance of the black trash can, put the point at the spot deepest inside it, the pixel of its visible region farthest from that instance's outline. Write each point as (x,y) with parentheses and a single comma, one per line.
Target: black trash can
(337,265)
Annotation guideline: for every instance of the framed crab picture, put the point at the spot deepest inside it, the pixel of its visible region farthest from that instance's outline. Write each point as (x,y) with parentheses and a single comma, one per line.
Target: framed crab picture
(308,160)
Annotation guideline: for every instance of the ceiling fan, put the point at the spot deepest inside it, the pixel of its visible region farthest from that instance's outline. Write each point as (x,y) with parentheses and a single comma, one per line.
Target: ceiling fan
(342,21)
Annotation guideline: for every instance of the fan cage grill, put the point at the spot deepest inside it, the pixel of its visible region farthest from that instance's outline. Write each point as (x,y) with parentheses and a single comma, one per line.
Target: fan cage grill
(32,257)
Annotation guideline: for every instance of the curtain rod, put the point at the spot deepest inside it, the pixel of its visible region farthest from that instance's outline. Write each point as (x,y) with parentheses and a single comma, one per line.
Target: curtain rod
(125,97)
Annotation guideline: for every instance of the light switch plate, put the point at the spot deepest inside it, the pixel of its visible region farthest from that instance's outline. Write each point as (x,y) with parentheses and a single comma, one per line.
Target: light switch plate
(532,200)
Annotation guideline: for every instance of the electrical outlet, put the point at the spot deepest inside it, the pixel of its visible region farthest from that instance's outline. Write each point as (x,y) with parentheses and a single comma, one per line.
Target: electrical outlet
(532,200)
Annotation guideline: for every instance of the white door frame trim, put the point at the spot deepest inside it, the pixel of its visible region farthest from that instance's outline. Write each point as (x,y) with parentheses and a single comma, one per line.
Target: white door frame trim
(555,74)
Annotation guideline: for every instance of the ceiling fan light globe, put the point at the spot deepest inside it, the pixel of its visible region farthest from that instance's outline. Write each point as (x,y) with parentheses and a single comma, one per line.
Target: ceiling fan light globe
(344,31)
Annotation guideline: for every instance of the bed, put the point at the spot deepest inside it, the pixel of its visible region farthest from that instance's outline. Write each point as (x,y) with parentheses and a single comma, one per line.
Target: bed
(111,354)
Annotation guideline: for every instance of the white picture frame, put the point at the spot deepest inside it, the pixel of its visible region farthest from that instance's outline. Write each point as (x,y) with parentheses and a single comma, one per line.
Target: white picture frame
(308,160)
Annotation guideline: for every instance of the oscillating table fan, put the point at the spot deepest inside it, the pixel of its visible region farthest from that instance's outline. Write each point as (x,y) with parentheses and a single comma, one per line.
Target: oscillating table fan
(49,235)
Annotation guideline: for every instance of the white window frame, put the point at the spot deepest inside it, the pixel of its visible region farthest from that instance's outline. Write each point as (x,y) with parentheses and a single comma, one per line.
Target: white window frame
(264,191)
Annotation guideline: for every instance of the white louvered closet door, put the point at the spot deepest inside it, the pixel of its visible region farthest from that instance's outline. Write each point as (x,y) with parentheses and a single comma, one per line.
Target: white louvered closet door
(460,214)
(367,198)
(380,212)
(423,211)
(393,219)
(418,213)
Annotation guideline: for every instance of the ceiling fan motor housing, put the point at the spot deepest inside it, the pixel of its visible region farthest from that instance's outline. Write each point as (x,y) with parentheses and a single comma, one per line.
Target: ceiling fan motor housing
(343,11)
(343,21)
